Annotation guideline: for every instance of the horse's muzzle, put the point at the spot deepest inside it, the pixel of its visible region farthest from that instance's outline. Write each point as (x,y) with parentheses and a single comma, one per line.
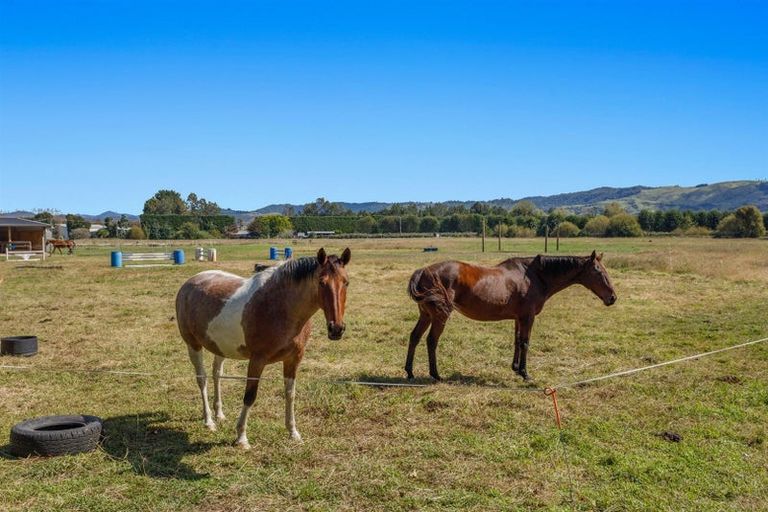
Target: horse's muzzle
(335,330)
(610,301)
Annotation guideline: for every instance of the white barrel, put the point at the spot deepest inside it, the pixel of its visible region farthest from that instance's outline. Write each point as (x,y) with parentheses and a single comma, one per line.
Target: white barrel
(199,254)
(212,256)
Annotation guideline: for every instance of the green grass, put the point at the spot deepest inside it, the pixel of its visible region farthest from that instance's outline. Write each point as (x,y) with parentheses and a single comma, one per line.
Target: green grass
(474,443)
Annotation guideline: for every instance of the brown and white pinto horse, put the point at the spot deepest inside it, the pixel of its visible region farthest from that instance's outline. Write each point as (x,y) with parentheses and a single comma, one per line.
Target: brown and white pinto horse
(516,288)
(265,319)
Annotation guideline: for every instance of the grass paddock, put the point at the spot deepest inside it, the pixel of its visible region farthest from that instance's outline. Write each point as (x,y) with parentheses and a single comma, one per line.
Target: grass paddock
(475,442)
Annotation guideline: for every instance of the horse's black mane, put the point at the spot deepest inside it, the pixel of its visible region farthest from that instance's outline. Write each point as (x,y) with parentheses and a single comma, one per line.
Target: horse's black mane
(300,268)
(559,264)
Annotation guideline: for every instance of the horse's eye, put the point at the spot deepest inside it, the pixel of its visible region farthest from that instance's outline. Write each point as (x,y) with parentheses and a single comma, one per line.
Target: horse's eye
(346,283)
(597,268)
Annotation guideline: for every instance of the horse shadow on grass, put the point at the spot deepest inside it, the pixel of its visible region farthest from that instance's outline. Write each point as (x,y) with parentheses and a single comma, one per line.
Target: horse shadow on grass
(455,379)
(152,449)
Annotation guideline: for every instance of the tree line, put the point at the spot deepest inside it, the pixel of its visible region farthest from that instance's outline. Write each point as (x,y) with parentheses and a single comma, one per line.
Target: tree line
(166,215)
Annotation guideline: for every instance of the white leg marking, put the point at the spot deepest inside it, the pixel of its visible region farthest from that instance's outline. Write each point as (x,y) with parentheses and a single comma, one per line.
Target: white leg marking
(197,361)
(242,425)
(218,370)
(290,418)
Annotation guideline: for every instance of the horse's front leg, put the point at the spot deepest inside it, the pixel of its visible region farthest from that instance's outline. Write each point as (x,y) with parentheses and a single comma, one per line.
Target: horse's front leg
(289,378)
(255,367)
(525,326)
(516,359)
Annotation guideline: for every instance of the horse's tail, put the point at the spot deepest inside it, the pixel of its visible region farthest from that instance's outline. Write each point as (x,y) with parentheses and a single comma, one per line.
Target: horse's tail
(425,287)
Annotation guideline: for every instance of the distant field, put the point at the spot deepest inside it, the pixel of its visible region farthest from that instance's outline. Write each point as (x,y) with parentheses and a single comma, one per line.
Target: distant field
(473,443)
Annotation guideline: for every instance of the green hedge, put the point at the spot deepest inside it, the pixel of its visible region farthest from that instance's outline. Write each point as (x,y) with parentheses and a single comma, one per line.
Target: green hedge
(345,224)
(162,227)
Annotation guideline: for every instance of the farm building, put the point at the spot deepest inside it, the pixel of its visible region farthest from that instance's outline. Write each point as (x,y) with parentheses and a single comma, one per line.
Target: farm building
(22,236)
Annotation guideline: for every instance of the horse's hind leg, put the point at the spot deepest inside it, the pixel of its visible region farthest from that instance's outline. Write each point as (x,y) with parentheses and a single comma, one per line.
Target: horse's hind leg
(218,370)
(196,356)
(255,367)
(526,325)
(418,331)
(438,324)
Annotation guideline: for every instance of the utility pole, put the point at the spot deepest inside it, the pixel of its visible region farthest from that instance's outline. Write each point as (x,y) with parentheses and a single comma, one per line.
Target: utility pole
(546,236)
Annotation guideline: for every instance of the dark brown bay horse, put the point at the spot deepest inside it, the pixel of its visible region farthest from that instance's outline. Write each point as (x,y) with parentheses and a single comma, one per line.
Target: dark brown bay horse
(516,288)
(264,319)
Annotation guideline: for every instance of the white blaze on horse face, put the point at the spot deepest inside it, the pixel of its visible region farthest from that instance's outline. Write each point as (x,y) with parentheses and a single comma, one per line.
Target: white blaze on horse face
(226,329)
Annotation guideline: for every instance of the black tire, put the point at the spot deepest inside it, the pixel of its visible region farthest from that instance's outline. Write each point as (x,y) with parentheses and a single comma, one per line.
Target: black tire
(55,435)
(18,346)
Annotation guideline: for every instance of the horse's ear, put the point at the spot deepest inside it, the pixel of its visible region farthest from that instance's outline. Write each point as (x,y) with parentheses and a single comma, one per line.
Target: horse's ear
(321,257)
(594,257)
(345,257)
(537,260)
(600,257)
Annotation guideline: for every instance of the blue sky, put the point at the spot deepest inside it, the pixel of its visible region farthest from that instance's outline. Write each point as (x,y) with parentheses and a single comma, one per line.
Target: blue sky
(102,103)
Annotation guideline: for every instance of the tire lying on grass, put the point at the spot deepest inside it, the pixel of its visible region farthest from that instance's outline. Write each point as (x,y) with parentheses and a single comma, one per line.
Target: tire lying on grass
(55,435)
(18,346)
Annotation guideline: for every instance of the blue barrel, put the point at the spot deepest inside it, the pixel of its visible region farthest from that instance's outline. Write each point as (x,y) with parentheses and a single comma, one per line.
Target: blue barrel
(288,253)
(273,253)
(178,257)
(117,259)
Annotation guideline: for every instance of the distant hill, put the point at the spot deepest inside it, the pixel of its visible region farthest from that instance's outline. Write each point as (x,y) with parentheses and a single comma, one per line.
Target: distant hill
(724,196)
(727,195)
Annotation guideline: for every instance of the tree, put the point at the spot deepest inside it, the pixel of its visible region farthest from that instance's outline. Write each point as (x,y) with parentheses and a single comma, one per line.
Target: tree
(189,231)
(389,224)
(266,226)
(165,202)
(751,220)
(44,216)
(746,222)
(429,224)
(500,229)
(136,233)
(567,229)
(523,208)
(596,226)
(367,224)
(646,220)
(76,221)
(674,219)
(612,209)
(199,206)
(623,224)
(322,206)
(410,223)
(481,208)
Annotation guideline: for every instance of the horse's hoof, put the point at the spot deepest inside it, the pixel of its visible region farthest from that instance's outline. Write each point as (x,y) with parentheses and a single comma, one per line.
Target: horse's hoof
(220,416)
(525,376)
(295,436)
(516,367)
(410,376)
(436,377)
(211,426)
(242,444)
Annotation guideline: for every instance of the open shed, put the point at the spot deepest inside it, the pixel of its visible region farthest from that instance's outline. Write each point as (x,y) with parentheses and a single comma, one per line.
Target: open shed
(22,237)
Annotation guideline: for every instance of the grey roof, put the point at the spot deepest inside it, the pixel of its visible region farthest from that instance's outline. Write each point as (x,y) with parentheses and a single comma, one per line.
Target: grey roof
(21,223)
